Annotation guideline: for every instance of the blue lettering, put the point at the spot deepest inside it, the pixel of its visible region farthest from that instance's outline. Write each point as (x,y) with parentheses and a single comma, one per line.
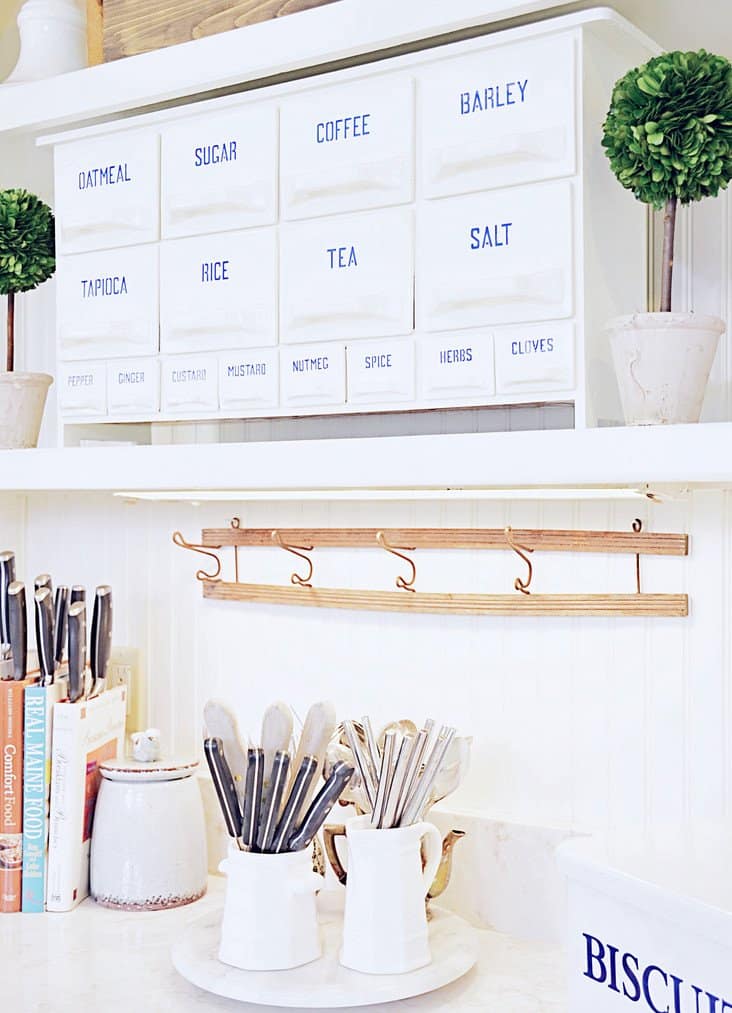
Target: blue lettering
(188,375)
(214,270)
(342,129)
(450,355)
(342,256)
(652,969)
(93,287)
(247,369)
(713,1000)
(532,346)
(137,377)
(382,361)
(83,380)
(492,97)
(213,154)
(632,977)
(595,957)
(106,175)
(319,364)
(489,236)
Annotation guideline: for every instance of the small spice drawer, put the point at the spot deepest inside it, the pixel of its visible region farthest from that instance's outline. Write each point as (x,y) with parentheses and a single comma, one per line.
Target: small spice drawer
(107,191)
(313,375)
(218,291)
(219,172)
(108,303)
(133,385)
(249,379)
(348,276)
(498,257)
(348,147)
(499,119)
(82,388)
(535,357)
(380,372)
(190,383)
(457,364)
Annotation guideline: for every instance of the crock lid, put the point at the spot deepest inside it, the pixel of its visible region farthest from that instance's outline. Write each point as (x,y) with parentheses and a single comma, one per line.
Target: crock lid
(155,770)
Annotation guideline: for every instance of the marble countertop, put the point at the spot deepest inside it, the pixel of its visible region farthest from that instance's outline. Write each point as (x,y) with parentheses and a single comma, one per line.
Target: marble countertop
(96,959)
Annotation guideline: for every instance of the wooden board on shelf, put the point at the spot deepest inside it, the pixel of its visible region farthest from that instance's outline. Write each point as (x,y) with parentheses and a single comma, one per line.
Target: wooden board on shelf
(138,26)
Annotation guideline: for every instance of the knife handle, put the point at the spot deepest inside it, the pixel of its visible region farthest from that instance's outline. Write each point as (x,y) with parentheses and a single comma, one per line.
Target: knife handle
(273,801)
(7,576)
(61,618)
(78,593)
(321,805)
(224,785)
(18,628)
(295,802)
(44,634)
(101,636)
(41,581)
(77,650)
(253,797)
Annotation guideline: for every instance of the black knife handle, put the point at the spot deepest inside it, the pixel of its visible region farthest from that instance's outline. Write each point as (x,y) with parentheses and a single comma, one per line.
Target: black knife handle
(253,796)
(321,805)
(77,649)
(18,620)
(61,617)
(43,580)
(44,635)
(273,801)
(78,593)
(224,785)
(7,576)
(101,636)
(295,802)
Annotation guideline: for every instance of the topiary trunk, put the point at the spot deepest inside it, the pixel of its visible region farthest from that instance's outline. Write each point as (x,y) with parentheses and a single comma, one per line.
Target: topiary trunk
(10,348)
(667,265)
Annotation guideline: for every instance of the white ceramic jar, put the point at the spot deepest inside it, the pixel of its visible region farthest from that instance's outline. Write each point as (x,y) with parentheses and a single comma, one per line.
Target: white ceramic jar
(148,846)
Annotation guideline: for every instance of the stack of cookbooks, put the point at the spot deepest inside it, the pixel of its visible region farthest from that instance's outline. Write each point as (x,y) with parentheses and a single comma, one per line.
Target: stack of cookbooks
(57,723)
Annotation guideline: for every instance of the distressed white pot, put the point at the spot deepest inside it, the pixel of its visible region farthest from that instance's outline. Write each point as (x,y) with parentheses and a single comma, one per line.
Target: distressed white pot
(662,363)
(22,400)
(52,40)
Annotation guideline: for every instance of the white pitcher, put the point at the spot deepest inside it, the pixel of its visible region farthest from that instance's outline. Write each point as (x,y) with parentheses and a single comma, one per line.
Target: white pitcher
(270,916)
(385,920)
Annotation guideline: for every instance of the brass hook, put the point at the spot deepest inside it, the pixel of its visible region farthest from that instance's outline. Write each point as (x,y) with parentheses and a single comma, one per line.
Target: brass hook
(402,582)
(297,550)
(520,550)
(637,525)
(180,541)
(236,524)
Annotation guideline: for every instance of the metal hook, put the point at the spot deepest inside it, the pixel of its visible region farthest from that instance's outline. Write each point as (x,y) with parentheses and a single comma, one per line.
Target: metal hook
(401,582)
(637,525)
(520,550)
(297,550)
(180,541)
(236,524)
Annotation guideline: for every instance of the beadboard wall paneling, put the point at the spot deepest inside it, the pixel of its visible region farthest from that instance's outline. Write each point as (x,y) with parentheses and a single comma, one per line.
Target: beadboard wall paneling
(583,723)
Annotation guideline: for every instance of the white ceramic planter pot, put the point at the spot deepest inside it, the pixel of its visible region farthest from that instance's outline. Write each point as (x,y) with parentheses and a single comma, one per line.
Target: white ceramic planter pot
(22,400)
(662,363)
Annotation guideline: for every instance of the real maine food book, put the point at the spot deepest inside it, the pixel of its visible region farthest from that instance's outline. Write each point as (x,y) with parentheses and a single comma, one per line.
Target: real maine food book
(85,734)
(11,812)
(39,701)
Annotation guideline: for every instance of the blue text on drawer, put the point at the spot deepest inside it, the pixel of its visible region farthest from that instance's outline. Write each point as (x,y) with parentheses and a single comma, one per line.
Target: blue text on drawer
(342,129)
(107,175)
(480,100)
(115,284)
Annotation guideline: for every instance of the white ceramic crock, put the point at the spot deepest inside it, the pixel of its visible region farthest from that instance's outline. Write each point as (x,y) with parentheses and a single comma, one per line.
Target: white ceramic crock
(662,363)
(385,920)
(148,845)
(270,915)
(22,400)
(52,40)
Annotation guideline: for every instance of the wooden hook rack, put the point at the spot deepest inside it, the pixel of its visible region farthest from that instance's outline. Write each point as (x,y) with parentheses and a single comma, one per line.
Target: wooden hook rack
(300,542)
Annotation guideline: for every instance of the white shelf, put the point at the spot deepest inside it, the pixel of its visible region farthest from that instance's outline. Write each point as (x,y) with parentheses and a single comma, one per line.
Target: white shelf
(659,456)
(282,46)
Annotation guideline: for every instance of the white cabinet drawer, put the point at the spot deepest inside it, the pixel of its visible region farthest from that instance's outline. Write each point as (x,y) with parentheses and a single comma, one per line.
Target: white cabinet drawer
(82,388)
(313,375)
(108,303)
(497,257)
(347,277)
(190,383)
(249,379)
(456,365)
(219,172)
(133,385)
(347,148)
(537,357)
(107,191)
(218,291)
(380,371)
(499,117)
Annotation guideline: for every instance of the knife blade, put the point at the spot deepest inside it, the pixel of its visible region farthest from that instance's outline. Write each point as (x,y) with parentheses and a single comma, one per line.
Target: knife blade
(78,593)
(224,786)
(7,576)
(252,797)
(295,803)
(321,805)
(60,618)
(18,628)
(101,638)
(77,649)
(221,724)
(273,800)
(44,635)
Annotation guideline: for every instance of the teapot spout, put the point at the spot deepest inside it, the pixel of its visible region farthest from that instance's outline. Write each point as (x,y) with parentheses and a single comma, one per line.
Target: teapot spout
(444,869)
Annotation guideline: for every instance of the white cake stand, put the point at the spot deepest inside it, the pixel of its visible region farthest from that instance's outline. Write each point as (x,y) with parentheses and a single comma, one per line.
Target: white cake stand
(324,984)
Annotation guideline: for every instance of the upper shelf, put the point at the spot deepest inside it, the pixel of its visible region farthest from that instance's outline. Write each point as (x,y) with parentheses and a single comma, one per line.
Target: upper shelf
(657,456)
(266,52)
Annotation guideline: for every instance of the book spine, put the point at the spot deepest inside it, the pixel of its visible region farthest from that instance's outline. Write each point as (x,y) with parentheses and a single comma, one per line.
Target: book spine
(11,811)
(64,834)
(35,813)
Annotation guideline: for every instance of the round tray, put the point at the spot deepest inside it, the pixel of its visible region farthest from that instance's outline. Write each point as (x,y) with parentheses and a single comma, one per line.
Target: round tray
(324,984)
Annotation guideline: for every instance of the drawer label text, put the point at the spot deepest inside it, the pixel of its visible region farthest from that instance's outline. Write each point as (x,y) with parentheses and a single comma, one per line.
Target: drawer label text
(107,175)
(247,369)
(189,375)
(214,270)
(310,365)
(80,380)
(112,285)
(480,100)
(212,154)
(482,236)
(343,129)
(449,356)
(381,361)
(133,376)
(342,256)
(532,346)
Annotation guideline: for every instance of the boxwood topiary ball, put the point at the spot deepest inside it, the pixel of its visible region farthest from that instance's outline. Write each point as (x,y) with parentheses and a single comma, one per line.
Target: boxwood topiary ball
(27,241)
(668,132)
